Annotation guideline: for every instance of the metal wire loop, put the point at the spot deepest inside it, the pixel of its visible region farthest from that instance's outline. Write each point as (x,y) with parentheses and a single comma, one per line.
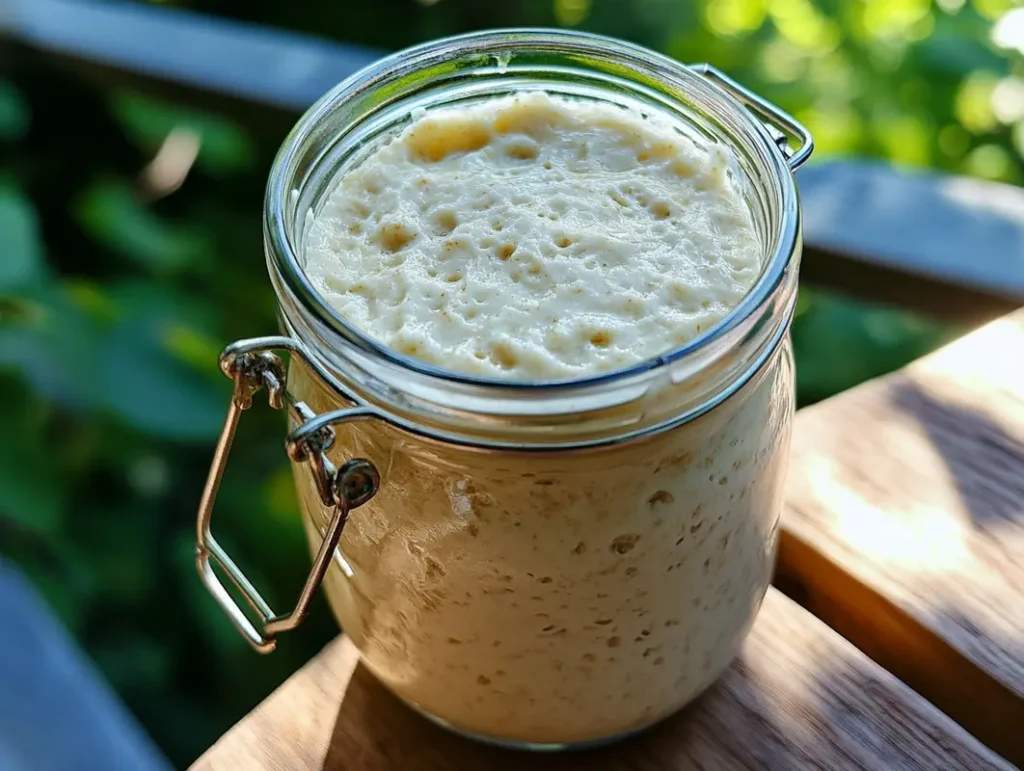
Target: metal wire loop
(779,123)
(252,365)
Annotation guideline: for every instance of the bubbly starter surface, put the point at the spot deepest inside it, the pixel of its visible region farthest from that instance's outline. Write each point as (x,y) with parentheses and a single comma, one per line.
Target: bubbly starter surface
(552,597)
(535,238)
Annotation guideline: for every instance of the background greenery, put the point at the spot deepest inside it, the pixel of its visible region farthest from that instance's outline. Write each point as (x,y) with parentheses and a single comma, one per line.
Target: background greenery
(114,303)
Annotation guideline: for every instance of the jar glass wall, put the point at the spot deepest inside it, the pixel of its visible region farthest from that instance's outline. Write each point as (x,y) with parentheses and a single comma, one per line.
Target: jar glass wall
(566,596)
(552,563)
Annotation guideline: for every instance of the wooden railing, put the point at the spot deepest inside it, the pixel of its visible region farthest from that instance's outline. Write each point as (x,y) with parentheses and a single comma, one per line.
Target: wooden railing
(948,246)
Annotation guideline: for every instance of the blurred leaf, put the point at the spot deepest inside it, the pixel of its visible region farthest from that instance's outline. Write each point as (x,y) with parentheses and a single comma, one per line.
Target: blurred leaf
(993,9)
(974,102)
(22,261)
(151,391)
(224,147)
(119,544)
(132,662)
(839,343)
(125,369)
(29,495)
(156,306)
(279,493)
(192,347)
(52,344)
(735,17)
(112,214)
(14,112)
(185,714)
(180,325)
(33,493)
(950,51)
(91,299)
(569,13)
(62,599)
(989,161)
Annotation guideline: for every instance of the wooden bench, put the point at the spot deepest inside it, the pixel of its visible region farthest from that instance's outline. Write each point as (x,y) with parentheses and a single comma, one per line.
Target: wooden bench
(799,697)
(904,531)
(904,527)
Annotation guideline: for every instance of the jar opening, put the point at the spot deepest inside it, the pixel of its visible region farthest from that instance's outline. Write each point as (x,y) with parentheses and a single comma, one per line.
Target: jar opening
(369,108)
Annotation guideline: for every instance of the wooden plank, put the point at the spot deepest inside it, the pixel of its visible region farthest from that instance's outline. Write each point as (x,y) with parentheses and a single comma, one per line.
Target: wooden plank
(250,62)
(905,527)
(948,246)
(799,697)
(857,274)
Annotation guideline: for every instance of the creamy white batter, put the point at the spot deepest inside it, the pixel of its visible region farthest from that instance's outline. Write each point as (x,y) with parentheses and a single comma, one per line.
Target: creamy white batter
(535,237)
(550,597)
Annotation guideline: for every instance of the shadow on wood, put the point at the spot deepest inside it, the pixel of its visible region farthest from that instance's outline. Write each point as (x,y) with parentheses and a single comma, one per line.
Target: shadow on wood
(788,708)
(904,527)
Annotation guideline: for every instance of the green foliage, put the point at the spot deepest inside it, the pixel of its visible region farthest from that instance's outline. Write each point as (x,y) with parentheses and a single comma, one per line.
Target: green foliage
(117,292)
(838,342)
(113,214)
(224,148)
(13,112)
(22,265)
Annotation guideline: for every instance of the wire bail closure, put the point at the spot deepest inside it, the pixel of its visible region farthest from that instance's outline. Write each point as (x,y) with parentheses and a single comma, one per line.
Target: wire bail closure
(779,124)
(252,365)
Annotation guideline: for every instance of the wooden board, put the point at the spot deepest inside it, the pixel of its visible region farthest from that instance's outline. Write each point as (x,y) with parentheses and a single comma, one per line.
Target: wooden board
(905,527)
(799,697)
(944,245)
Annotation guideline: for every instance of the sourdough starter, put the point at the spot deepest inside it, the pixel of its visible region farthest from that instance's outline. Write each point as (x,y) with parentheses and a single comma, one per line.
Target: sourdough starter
(548,597)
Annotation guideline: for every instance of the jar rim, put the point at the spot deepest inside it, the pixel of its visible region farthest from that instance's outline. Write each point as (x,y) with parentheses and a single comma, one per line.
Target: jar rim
(501,45)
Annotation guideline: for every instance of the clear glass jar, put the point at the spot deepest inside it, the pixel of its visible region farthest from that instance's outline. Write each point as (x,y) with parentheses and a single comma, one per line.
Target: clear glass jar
(536,564)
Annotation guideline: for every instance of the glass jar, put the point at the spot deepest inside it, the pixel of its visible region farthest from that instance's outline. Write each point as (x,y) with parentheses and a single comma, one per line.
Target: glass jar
(538,564)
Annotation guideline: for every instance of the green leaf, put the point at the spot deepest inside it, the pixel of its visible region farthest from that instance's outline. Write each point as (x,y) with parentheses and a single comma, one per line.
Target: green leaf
(91,299)
(108,354)
(131,661)
(151,391)
(52,344)
(119,544)
(183,326)
(15,116)
(224,147)
(63,600)
(281,499)
(112,214)
(29,496)
(33,493)
(22,261)
(145,382)
(192,347)
(839,342)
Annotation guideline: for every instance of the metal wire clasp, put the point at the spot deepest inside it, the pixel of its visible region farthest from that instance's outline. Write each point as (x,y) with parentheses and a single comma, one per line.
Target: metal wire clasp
(779,123)
(252,364)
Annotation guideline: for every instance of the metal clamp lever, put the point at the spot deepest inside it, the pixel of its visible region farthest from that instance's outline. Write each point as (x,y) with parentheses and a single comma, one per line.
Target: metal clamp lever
(779,123)
(252,364)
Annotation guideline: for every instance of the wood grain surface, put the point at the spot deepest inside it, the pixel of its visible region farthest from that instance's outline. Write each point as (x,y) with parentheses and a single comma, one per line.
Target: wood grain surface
(799,697)
(904,527)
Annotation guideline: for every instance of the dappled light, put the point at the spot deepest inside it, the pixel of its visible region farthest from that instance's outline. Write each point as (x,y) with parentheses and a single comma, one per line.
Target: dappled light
(1008,32)
(984,357)
(991,199)
(919,538)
